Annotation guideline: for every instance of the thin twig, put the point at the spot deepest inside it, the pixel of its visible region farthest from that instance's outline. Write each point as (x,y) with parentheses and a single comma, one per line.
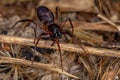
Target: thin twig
(109,21)
(64,46)
(35,65)
(98,26)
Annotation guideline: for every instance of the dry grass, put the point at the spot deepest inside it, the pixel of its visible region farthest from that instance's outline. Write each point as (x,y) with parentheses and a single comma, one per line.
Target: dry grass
(94,55)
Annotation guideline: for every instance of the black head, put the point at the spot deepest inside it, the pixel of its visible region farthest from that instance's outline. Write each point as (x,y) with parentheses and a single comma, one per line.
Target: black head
(55,30)
(45,15)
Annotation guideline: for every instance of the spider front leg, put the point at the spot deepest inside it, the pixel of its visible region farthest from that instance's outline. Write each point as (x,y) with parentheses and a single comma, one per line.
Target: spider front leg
(69,20)
(57,12)
(71,24)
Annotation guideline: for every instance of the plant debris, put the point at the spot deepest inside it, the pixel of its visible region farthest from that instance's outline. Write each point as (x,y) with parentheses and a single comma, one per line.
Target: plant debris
(91,53)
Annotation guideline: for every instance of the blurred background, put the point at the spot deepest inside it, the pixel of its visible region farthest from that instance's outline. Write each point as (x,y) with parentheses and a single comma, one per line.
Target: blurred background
(90,30)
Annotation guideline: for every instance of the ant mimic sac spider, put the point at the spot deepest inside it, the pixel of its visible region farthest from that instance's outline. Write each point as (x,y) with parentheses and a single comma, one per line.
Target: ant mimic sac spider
(50,27)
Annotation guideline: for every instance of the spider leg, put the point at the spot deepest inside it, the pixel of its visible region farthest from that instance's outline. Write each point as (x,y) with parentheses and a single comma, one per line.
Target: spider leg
(53,43)
(35,33)
(69,20)
(57,41)
(57,12)
(58,18)
(36,43)
(23,20)
(64,33)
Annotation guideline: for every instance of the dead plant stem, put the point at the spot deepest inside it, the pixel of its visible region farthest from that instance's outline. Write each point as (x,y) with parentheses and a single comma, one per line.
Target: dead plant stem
(64,46)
